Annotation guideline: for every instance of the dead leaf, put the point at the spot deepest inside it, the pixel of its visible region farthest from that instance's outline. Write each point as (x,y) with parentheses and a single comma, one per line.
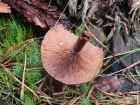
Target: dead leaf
(38,12)
(38,22)
(1,102)
(4,8)
(108,84)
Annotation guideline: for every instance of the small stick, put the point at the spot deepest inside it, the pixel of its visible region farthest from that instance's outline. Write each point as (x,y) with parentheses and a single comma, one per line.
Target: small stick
(23,78)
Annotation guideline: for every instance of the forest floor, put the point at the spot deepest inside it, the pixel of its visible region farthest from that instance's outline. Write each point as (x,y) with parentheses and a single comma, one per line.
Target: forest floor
(23,80)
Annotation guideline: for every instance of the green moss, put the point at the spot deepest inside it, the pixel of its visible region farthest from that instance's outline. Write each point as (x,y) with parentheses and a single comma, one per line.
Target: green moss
(79,30)
(85,101)
(33,55)
(72,92)
(84,87)
(17,69)
(13,35)
(32,76)
(28,100)
(100,96)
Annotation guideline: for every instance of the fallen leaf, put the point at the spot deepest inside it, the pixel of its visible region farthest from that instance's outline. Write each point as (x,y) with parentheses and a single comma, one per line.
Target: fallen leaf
(1,102)
(4,8)
(38,22)
(108,84)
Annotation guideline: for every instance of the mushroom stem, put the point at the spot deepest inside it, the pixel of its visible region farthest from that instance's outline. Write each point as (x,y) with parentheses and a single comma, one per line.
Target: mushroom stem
(81,41)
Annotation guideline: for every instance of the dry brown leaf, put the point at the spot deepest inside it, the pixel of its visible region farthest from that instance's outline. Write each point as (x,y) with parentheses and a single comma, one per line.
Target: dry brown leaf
(4,8)
(1,102)
(108,84)
(38,22)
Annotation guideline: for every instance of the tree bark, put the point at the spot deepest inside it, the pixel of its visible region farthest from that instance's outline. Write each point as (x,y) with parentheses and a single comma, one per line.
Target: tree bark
(42,14)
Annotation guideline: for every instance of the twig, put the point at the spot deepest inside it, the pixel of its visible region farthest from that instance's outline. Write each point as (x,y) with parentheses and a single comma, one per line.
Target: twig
(61,14)
(10,74)
(125,69)
(23,78)
(121,54)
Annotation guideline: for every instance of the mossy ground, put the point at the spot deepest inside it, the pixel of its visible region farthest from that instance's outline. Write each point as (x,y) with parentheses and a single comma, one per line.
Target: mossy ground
(17,40)
(19,44)
(22,74)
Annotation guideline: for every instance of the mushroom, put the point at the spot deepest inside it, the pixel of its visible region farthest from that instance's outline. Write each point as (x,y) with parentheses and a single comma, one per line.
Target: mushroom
(69,59)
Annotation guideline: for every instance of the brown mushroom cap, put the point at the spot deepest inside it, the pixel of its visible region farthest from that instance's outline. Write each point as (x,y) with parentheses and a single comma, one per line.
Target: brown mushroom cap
(65,66)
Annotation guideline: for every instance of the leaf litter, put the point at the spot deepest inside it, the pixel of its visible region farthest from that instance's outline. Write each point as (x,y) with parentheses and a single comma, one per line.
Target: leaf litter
(121,25)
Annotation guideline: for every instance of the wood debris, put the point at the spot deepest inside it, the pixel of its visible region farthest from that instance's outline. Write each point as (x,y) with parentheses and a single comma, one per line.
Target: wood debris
(4,8)
(42,14)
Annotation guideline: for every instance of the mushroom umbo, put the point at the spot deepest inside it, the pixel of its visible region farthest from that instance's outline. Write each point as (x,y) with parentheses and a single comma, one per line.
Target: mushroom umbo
(69,59)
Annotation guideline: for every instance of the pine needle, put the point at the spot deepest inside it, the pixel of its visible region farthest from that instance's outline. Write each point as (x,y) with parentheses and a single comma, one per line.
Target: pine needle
(23,78)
